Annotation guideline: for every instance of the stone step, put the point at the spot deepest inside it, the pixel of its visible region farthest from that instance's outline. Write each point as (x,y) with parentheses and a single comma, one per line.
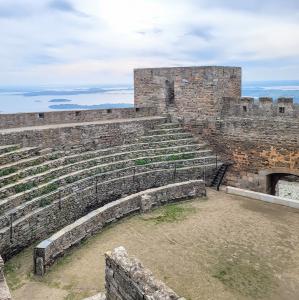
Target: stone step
(18,154)
(66,160)
(14,167)
(35,180)
(8,148)
(69,164)
(168,125)
(32,207)
(164,131)
(165,137)
(53,185)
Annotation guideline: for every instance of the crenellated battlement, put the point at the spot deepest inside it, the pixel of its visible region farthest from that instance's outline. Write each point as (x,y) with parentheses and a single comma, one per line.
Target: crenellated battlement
(261,107)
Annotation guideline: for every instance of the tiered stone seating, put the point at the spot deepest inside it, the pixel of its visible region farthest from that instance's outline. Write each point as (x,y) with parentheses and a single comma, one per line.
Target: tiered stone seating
(35,180)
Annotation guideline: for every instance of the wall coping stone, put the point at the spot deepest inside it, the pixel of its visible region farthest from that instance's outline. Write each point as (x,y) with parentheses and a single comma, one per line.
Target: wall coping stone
(262,197)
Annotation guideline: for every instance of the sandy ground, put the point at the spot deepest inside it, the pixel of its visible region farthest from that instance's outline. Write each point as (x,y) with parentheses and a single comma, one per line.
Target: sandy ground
(224,247)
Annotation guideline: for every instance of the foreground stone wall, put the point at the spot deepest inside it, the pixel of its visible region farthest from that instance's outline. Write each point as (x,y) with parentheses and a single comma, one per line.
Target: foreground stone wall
(100,134)
(48,250)
(127,278)
(190,92)
(4,290)
(79,116)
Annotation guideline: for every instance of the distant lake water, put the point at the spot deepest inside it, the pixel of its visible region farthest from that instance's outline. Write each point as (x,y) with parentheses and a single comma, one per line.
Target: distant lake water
(17,99)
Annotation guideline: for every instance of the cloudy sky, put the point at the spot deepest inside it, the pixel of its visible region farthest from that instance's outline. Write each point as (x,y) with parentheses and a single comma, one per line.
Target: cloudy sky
(100,42)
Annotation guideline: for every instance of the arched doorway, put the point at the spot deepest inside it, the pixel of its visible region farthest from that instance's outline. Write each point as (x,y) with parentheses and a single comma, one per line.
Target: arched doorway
(169,93)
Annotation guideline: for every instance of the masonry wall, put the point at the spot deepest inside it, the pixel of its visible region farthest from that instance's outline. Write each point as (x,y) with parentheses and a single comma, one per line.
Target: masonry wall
(257,142)
(79,116)
(191,92)
(100,133)
(127,278)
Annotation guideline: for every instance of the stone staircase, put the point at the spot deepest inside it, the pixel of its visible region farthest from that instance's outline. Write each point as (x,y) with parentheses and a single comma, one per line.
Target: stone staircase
(33,181)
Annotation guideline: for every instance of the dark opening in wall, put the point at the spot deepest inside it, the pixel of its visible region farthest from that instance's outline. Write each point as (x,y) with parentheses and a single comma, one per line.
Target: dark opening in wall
(169,86)
(245,108)
(109,111)
(41,115)
(78,113)
(137,109)
(281,110)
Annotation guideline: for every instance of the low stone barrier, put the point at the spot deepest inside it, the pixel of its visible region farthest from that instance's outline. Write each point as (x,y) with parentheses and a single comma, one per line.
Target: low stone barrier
(262,197)
(48,250)
(126,278)
(4,290)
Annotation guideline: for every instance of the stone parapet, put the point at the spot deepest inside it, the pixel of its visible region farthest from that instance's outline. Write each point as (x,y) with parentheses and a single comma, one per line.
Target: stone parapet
(78,116)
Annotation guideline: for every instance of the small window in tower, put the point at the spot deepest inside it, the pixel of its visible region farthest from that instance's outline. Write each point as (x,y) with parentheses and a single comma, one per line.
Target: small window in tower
(245,108)
(41,115)
(281,110)
(137,109)
(169,86)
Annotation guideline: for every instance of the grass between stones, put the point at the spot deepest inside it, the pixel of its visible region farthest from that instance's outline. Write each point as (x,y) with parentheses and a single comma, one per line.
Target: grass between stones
(173,157)
(7,171)
(170,213)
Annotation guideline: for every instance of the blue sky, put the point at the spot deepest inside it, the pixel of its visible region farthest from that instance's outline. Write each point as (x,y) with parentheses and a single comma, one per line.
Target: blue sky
(50,42)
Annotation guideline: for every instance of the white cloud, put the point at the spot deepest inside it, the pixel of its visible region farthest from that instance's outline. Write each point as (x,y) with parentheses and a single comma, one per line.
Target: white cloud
(96,41)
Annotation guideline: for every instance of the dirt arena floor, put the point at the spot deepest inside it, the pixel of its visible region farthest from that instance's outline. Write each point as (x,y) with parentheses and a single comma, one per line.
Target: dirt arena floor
(222,247)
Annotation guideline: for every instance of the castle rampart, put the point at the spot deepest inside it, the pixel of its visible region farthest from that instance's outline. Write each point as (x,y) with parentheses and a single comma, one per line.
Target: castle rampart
(76,116)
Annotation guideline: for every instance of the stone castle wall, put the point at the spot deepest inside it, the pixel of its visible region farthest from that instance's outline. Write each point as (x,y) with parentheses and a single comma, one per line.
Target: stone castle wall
(189,92)
(79,116)
(258,143)
(259,137)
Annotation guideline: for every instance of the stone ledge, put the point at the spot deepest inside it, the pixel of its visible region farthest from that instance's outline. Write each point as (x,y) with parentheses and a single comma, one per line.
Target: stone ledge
(262,197)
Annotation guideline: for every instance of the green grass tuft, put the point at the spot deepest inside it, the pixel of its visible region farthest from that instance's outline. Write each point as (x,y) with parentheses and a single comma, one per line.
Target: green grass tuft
(7,171)
(170,213)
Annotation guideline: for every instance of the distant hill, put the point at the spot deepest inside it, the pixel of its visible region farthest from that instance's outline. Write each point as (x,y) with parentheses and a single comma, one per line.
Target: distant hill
(60,100)
(97,106)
